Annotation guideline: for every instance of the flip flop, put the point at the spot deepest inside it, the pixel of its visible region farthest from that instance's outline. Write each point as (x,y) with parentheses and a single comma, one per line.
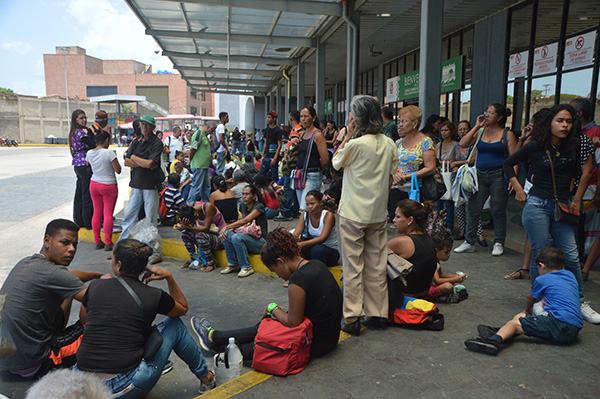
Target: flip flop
(207,268)
(286,284)
(186,265)
(520,274)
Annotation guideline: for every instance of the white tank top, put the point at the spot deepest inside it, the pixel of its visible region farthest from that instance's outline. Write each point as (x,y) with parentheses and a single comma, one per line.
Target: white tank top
(331,241)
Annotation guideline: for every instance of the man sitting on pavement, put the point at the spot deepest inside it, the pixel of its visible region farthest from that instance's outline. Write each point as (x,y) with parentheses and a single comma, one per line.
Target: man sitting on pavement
(143,157)
(39,292)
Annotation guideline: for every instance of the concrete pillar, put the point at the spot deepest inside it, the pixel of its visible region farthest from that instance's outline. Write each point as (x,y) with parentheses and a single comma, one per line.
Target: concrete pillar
(300,85)
(288,99)
(280,103)
(489,63)
(335,101)
(430,56)
(249,115)
(381,84)
(320,80)
(352,55)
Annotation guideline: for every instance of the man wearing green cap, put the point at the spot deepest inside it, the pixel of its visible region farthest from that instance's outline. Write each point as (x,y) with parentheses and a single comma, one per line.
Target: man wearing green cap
(143,157)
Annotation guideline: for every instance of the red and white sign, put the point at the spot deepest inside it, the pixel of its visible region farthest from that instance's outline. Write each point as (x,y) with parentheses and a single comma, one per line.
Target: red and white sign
(544,59)
(579,50)
(517,64)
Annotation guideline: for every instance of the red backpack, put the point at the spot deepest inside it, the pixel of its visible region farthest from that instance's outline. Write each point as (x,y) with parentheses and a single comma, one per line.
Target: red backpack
(416,313)
(281,350)
(163,211)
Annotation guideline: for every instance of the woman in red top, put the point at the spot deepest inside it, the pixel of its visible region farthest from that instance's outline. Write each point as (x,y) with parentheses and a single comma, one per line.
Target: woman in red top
(267,196)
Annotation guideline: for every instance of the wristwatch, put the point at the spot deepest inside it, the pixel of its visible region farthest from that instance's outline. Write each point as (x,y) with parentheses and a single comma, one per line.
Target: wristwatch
(271,307)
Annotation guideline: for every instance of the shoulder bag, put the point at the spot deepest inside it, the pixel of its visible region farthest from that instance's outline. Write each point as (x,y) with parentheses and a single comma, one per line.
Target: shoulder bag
(154,340)
(250,228)
(298,176)
(563,213)
(432,186)
(468,178)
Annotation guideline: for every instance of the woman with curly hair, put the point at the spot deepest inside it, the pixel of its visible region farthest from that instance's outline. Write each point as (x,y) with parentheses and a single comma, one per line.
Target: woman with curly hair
(313,292)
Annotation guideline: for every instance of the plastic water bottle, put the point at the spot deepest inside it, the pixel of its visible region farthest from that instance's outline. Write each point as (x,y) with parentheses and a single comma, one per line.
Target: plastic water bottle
(228,365)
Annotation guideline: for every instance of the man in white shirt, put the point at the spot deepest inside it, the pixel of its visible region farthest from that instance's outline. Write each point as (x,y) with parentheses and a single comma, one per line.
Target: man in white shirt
(221,138)
(174,143)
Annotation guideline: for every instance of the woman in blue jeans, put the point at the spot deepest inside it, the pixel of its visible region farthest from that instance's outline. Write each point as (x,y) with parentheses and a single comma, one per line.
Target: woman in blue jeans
(553,141)
(119,321)
(239,244)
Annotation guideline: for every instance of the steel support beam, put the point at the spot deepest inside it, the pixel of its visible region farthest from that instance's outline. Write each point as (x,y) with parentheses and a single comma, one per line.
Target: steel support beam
(296,6)
(352,19)
(300,85)
(231,87)
(381,84)
(265,83)
(231,71)
(239,93)
(288,41)
(320,80)
(431,56)
(232,58)
(280,103)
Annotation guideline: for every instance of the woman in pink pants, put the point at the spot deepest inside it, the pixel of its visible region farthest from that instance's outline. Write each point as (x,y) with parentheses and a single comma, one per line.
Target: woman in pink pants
(103,188)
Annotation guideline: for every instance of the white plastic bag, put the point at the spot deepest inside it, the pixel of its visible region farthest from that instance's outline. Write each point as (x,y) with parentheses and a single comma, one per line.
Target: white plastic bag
(447,177)
(146,232)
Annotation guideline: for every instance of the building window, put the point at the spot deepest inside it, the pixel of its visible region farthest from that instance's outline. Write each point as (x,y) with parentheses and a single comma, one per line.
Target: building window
(94,91)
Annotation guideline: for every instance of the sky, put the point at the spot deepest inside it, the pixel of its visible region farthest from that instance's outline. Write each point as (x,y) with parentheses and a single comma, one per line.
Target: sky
(107,29)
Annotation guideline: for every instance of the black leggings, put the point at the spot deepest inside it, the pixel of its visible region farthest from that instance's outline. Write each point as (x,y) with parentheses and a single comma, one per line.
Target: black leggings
(243,336)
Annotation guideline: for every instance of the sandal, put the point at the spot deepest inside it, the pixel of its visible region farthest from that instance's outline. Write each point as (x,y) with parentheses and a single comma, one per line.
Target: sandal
(207,268)
(520,274)
(286,284)
(186,265)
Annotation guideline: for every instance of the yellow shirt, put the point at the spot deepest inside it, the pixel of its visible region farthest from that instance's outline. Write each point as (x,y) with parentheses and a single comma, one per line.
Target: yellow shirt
(368,163)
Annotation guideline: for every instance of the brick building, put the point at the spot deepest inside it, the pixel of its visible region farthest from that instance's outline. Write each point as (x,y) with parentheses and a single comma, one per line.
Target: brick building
(88,76)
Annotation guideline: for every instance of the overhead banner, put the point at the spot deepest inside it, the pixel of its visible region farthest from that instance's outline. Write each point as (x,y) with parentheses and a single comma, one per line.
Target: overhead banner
(451,74)
(328,107)
(409,85)
(392,90)
(544,59)
(517,64)
(579,50)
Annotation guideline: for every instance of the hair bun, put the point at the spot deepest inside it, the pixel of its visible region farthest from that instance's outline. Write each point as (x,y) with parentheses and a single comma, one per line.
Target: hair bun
(508,112)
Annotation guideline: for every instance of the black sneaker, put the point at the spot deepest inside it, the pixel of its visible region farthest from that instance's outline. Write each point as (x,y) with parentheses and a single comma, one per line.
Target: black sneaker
(168,367)
(281,218)
(483,345)
(486,331)
(375,323)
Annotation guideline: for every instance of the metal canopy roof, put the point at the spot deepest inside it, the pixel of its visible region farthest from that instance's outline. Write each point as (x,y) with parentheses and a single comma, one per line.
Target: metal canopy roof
(242,46)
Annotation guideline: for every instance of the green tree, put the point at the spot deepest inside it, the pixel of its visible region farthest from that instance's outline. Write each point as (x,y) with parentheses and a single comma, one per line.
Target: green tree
(127,109)
(7,91)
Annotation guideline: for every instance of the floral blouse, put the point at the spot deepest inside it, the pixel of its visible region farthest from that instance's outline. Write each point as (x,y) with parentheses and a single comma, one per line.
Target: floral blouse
(411,159)
(79,148)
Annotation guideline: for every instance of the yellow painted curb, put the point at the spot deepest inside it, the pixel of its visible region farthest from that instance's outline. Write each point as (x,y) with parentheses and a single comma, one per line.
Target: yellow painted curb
(174,248)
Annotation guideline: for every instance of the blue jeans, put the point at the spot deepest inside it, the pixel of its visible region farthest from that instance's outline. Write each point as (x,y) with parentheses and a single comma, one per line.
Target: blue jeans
(237,147)
(265,166)
(176,337)
(449,206)
(237,246)
(329,256)
(200,185)
(313,182)
(138,198)
(290,206)
(220,162)
(261,144)
(271,213)
(491,184)
(538,220)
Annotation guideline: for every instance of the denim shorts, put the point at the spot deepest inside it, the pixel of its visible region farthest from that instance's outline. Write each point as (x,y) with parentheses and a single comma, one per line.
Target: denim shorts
(548,327)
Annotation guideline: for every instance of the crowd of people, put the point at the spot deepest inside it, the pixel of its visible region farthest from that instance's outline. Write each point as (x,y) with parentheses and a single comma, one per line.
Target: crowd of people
(344,185)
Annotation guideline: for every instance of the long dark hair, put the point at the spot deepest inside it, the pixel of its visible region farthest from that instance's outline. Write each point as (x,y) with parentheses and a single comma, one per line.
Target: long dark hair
(313,113)
(431,119)
(74,126)
(541,129)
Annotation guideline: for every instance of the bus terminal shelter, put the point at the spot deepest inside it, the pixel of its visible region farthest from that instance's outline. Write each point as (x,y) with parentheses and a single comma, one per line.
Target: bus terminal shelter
(451,58)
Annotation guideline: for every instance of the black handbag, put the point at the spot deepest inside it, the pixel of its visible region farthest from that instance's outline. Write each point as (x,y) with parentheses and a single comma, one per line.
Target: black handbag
(433,187)
(154,340)
(563,213)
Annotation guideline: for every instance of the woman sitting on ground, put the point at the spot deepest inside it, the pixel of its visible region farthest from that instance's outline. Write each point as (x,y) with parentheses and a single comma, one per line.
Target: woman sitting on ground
(200,225)
(224,199)
(239,244)
(267,196)
(313,293)
(317,231)
(413,244)
(116,327)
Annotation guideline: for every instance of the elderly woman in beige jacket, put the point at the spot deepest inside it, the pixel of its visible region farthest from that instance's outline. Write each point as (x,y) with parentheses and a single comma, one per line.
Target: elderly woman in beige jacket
(369,162)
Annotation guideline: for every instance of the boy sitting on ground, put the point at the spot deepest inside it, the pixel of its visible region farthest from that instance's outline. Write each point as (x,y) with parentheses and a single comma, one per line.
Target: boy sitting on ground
(172,201)
(443,287)
(563,321)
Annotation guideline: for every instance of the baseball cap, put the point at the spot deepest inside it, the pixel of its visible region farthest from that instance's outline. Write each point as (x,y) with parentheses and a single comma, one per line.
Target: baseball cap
(148,119)
(273,114)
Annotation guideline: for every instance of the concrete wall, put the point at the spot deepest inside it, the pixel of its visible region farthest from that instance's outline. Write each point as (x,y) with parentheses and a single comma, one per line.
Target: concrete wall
(30,119)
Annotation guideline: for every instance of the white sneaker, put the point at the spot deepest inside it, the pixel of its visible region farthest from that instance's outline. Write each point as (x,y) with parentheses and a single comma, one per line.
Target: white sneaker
(589,314)
(538,308)
(464,247)
(245,273)
(498,249)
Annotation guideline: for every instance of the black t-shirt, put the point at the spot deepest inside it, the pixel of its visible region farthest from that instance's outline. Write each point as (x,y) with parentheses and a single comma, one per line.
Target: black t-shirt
(272,136)
(152,149)
(566,167)
(323,305)
(116,328)
(261,220)
(314,160)
(236,136)
(424,262)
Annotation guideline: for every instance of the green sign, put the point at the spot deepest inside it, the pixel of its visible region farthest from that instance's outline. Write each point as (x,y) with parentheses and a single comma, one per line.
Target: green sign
(329,107)
(451,74)
(407,86)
